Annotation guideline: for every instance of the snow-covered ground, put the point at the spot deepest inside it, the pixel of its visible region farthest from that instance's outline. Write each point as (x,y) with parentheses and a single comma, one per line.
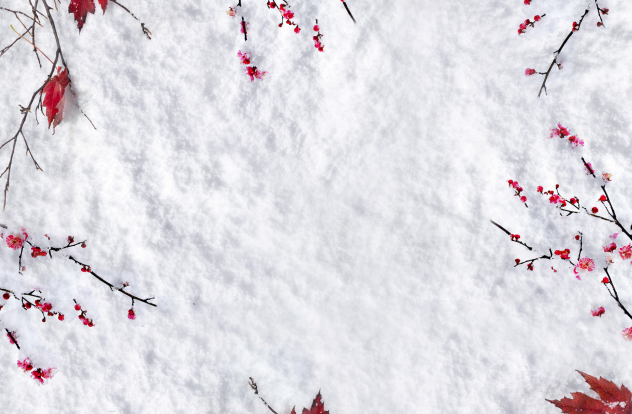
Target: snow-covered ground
(329,227)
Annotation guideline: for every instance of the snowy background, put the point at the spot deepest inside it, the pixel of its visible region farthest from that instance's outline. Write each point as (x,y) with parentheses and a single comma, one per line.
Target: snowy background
(327,228)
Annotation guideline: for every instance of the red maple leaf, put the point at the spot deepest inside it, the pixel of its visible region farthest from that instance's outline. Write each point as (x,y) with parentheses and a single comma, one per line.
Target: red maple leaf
(55,100)
(81,8)
(104,4)
(613,400)
(318,407)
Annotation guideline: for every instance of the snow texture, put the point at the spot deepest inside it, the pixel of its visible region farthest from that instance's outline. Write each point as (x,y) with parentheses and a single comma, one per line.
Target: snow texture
(326,228)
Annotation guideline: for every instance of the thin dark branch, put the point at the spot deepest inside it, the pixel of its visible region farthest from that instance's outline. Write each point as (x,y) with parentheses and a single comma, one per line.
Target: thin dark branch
(557,53)
(349,11)
(581,245)
(589,168)
(243,26)
(146,31)
(508,233)
(12,338)
(614,214)
(549,257)
(599,13)
(253,385)
(111,286)
(615,296)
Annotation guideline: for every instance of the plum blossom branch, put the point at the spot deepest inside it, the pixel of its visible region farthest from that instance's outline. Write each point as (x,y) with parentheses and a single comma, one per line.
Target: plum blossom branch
(111,286)
(513,236)
(546,74)
(13,340)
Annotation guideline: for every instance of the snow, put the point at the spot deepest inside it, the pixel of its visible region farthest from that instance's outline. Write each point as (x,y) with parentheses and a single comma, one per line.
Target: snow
(329,227)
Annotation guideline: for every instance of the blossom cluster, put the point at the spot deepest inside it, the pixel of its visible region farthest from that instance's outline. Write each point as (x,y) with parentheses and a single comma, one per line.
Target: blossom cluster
(528,23)
(286,15)
(518,189)
(38,374)
(563,133)
(252,71)
(610,247)
(603,11)
(317,43)
(82,316)
(564,254)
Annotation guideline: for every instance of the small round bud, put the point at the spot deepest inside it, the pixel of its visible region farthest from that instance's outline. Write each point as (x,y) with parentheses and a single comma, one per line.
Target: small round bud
(6,296)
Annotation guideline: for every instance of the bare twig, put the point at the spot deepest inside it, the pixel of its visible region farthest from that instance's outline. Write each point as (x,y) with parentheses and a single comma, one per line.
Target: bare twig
(253,385)
(614,293)
(349,11)
(146,31)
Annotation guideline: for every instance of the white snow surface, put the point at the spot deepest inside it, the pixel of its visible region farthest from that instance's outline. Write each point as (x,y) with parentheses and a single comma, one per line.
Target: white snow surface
(327,228)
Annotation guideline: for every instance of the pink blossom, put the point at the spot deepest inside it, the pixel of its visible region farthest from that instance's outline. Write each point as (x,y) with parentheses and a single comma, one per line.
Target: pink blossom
(529,72)
(288,14)
(253,72)
(600,311)
(14,242)
(554,199)
(244,57)
(585,265)
(26,365)
(241,26)
(606,177)
(626,252)
(589,168)
(231,12)
(610,248)
(297,29)
(627,334)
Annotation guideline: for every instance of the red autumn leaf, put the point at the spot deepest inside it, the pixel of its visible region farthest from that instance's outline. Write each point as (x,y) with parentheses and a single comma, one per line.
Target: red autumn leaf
(54,99)
(104,4)
(613,400)
(318,407)
(81,8)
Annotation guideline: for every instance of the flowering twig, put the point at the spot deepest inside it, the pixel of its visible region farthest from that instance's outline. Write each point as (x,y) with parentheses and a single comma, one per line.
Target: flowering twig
(12,338)
(589,167)
(111,286)
(513,239)
(576,27)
